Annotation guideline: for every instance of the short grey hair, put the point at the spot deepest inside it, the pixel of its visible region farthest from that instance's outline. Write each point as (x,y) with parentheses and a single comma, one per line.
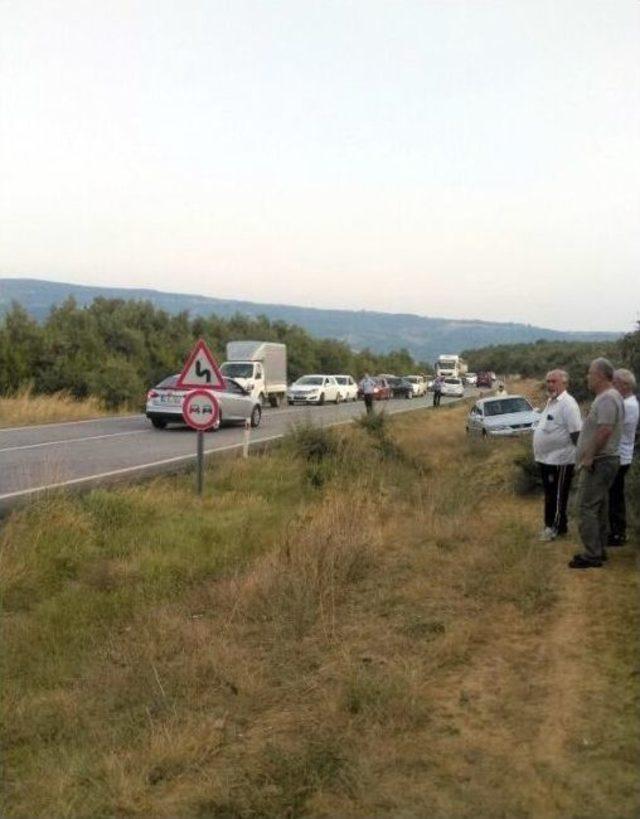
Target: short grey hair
(626,377)
(564,375)
(604,367)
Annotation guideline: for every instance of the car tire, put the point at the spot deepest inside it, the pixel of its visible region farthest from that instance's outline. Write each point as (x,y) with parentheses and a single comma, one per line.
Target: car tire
(321,400)
(158,423)
(274,400)
(338,398)
(484,433)
(256,416)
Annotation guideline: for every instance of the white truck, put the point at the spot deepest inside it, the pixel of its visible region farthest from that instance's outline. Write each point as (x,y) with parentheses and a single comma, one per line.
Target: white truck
(260,367)
(451,366)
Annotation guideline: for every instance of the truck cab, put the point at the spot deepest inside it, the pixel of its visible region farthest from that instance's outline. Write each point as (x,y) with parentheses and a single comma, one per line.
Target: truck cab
(260,367)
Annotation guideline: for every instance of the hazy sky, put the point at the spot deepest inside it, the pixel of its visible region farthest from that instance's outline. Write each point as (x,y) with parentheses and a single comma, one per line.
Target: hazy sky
(461,158)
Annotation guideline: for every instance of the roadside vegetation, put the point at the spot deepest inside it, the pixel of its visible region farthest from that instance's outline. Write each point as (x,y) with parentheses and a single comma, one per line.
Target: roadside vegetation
(115,350)
(24,408)
(358,623)
(534,360)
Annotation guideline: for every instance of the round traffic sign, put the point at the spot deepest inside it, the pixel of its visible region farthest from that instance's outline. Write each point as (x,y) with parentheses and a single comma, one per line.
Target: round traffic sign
(201,409)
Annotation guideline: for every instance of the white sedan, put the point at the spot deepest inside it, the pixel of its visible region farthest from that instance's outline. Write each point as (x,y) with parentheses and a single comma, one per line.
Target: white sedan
(348,387)
(453,387)
(506,416)
(165,400)
(314,389)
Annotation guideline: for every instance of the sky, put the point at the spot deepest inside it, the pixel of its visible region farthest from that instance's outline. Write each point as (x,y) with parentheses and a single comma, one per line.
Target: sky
(455,158)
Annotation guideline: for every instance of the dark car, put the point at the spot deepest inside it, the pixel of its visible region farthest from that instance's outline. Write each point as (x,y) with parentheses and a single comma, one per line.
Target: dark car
(400,387)
(485,379)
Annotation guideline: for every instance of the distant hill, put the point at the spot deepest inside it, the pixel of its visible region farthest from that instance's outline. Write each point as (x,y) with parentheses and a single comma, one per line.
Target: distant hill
(424,337)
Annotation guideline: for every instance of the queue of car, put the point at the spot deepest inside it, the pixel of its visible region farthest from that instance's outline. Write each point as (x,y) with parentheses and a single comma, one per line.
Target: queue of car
(254,376)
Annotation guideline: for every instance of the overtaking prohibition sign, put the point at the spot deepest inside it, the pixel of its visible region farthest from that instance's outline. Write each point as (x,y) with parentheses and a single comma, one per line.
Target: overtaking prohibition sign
(201,409)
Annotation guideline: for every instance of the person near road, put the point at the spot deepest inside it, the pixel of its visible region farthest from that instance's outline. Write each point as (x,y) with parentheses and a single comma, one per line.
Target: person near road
(598,460)
(438,381)
(625,382)
(367,387)
(554,449)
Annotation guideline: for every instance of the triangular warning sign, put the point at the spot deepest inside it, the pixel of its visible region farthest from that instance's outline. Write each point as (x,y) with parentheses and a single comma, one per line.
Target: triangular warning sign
(201,370)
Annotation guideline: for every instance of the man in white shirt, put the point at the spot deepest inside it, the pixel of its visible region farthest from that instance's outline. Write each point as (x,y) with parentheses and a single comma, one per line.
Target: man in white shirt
(625,382)
(554,449)
(367,388)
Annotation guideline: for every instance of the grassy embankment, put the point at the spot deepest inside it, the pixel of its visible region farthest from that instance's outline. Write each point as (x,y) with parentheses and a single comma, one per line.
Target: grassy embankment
(359,623)
(24,408)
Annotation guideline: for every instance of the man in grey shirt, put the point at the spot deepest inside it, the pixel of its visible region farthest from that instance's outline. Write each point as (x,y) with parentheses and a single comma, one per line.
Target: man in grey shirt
(598,460)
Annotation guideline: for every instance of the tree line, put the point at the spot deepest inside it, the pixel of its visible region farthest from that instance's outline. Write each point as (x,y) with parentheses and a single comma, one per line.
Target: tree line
(534,360)
(116,349)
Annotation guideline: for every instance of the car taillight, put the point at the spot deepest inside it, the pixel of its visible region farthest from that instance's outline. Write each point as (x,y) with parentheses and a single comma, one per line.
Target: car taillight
(152,394)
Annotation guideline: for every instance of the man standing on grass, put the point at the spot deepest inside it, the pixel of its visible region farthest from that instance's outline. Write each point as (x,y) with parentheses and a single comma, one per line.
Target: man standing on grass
(437,390)
(554,449)
(625,382)
(597,457)
(367,387)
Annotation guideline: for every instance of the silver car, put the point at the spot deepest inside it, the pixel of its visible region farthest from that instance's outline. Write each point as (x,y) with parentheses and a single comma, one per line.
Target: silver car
(501,416)
(165,400)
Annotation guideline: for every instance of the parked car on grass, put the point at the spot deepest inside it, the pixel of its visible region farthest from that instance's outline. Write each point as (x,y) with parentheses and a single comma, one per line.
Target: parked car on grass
(400,387)
(314,389)
(511,415)
(165,400)
(348,387)
(453,387)
(484,379)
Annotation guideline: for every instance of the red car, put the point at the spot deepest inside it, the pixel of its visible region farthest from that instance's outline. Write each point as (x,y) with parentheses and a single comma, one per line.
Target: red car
(484,379)
(381,392)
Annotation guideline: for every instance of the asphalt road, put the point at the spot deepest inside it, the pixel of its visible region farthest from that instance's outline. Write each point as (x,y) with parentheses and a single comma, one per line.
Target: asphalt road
(88,453)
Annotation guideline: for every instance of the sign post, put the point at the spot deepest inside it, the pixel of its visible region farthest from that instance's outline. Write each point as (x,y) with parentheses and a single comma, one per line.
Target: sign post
(201,411)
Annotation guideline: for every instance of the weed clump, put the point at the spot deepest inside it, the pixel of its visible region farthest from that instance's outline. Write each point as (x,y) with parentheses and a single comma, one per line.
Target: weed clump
(527,479)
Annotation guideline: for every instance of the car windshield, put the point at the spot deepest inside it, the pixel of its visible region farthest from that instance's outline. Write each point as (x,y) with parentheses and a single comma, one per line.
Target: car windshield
(315,380)
(394,381)
(233,386)
(506,405)
(237,370)
(412,378)
(452,381)
(342,379)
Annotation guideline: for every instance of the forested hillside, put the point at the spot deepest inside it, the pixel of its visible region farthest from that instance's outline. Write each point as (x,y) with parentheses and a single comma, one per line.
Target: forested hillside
(116,349)
(425,337)
(534,360)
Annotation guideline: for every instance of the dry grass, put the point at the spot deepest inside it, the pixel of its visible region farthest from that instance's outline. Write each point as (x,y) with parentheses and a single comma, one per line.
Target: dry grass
(24,408)
(359,624)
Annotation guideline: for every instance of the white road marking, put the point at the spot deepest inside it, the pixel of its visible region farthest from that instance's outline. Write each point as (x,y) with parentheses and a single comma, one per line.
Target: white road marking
(29,427)
(126,470)
(73,440)
(180,458)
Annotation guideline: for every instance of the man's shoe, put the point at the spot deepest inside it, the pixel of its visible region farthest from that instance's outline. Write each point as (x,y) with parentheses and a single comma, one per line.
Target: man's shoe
(580,562)
(547,534)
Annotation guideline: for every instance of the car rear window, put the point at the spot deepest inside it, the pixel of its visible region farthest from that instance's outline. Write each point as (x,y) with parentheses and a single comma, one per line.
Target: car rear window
(168,382)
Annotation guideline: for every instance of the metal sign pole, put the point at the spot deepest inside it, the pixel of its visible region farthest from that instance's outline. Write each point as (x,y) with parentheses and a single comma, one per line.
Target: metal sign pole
(200,467)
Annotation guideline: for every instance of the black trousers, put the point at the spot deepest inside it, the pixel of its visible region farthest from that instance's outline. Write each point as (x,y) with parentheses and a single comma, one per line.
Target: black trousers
(617,505)
(556,481)
(436,398)
(368,402)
